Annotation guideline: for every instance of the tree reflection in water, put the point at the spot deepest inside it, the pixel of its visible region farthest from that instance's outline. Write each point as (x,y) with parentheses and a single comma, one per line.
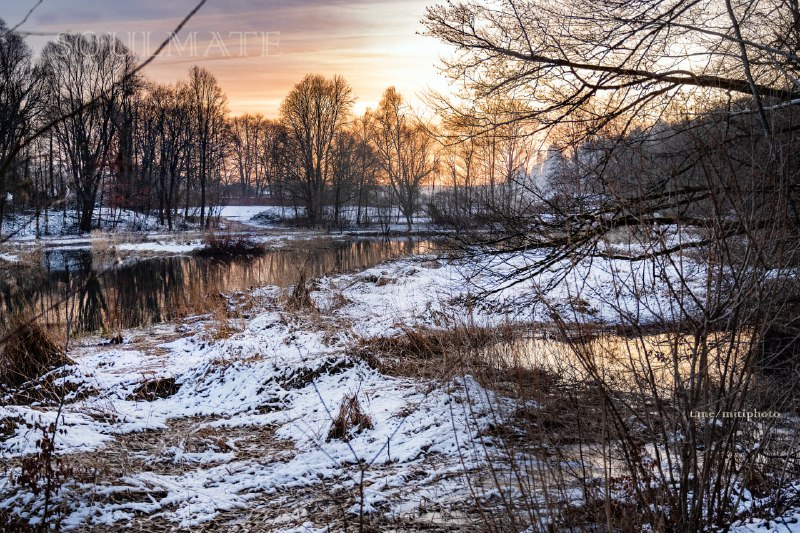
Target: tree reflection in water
(75,285)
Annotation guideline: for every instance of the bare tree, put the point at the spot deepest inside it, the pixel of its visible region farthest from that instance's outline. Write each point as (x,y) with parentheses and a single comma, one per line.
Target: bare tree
(19,104)
(314,112)
(483,169)
(246,131)
(80,70)
(167,133)
(344,172)
(671,125)
(274,153)
(208,105)
(366,164)
(406,151)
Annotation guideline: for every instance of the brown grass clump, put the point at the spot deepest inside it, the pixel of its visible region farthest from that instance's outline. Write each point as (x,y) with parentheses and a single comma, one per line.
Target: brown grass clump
(350,419)
(29,353)
(429,344)
(222,327)
(300,298)
(430,353)
(154,389)
(11,523)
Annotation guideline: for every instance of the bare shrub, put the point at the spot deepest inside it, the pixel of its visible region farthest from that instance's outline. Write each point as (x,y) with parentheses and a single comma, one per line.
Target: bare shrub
(42,474)
(601,430)
(351,419)
(11,523)
(228,245)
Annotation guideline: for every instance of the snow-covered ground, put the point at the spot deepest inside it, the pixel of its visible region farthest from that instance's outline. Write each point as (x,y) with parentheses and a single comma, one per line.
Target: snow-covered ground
(226,423)
(432,293)
(131,234)
(373,219)
(23,227)
(168,245)
(280,378)
(257,216)
(274,378)
(158,246)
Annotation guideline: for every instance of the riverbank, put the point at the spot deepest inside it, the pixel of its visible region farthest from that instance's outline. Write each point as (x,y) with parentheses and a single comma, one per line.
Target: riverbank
(385,396)
(59,229)
(223,419)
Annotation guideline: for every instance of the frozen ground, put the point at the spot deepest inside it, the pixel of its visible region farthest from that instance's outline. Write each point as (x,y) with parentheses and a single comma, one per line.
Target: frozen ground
(198,427)
(257,216)
(437,293)
(224,423)
(23,227)
(373,219)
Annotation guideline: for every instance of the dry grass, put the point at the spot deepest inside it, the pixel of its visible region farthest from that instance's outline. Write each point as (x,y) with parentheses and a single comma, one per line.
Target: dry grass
(29,353)
(222,326)
(11,523)
(556,433)
(153,389)
(300,297)
(351,419)
(431,353)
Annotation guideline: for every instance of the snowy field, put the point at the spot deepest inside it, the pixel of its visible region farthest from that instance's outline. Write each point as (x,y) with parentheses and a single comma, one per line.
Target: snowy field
(221,423)
(23,226)
(279,379)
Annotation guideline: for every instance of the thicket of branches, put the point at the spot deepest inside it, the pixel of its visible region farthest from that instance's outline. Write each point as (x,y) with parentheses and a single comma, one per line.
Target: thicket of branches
(673,168)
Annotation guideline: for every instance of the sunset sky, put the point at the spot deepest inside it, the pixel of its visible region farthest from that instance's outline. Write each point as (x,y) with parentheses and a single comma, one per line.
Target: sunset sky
(258,49)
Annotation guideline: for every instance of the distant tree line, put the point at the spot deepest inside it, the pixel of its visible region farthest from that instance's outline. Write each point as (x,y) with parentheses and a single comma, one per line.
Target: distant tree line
(173,151)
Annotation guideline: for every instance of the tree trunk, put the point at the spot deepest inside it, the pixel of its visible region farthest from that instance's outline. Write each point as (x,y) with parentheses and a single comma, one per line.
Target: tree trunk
(202,201)
(87,211)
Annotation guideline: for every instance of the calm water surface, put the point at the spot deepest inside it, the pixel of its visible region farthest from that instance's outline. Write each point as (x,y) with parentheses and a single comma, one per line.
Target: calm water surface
(87,290)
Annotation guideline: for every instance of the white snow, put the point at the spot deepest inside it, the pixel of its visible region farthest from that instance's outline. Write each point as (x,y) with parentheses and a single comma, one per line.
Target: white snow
(22,226)
(283,377)
(423,292)
(161,247)
(278,373)
(249,215)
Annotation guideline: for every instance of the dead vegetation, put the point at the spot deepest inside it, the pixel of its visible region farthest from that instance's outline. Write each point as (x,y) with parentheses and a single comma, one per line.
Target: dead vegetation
(229,245)
(586,419)
(222,325)
(12,523)
(300,297)
(29,353)
(302,377)
(42,474)
(431,353)
(155,388)
(350,420)
(48,390)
